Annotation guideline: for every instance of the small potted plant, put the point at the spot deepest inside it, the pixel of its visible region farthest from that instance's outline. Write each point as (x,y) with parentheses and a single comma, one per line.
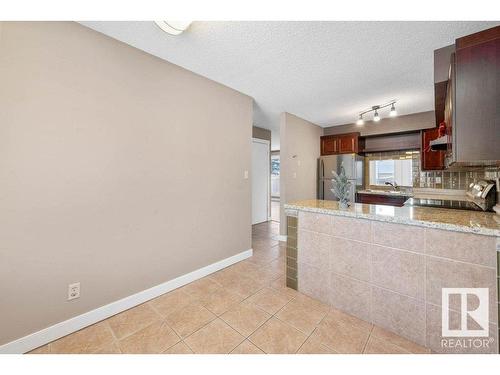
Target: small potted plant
(341,187)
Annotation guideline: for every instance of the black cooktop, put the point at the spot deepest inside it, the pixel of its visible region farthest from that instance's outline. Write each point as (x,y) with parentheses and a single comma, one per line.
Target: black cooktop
(441,203)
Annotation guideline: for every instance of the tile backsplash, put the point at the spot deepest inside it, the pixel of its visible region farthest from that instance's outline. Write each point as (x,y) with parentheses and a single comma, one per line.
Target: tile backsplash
(455,180)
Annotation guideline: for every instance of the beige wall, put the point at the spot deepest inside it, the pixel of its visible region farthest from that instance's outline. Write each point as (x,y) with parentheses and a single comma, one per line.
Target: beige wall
(415,121)
(118,170)
(299,138)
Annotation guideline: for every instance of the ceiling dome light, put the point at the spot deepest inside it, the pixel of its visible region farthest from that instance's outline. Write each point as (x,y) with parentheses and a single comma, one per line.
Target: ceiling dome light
(360,120)
(393,112)
(173,27)
(376,117)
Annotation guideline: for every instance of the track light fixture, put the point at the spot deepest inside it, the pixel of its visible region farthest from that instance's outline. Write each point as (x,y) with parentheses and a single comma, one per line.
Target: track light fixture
(376,116)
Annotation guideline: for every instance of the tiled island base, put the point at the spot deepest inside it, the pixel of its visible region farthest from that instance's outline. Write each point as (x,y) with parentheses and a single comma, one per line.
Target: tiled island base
(392,275)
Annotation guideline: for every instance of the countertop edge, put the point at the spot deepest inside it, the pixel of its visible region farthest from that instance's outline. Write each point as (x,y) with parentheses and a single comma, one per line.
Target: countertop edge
(395,220)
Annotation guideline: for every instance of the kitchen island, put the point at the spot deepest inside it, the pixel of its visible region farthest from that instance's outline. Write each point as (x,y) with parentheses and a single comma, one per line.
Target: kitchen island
(388,265)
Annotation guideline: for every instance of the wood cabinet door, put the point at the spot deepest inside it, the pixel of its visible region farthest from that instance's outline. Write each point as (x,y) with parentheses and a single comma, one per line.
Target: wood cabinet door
(329,145)
(431,160)
(348,143)
(477,98)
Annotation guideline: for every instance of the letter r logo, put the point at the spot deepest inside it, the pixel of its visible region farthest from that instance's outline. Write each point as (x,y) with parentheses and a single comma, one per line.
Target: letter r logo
(478,315)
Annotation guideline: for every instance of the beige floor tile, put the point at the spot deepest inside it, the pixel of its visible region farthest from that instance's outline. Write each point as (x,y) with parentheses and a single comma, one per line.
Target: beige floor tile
(109,349)
(280,285)
(179,348)
(302,316)
(215,338)
(189,319)
(245,318)
(87,340)
(132,320)
(341,317)
(266,274)
(277,266)
(343,338)
(40,350)
(221,300)
(254,271)
(170,302)
(246,347)
(226,276)
(378,346)
(150,340)
(394,339)
(244,286)
(276,337)
(309,301)
(201,288)
(313,345)
(265,256)
(269,300)
(263,243)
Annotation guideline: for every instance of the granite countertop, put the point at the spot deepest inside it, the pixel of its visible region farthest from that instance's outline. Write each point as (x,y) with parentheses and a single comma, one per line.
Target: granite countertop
(485,223)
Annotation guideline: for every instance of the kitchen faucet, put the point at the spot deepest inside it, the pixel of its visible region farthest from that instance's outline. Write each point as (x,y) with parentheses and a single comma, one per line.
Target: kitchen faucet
(394,185)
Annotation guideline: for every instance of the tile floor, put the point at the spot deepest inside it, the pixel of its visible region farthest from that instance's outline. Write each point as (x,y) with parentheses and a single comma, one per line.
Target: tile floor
(242,309)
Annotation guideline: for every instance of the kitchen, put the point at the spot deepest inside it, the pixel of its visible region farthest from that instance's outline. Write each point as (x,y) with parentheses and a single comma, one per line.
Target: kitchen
(139,247)
(423,213)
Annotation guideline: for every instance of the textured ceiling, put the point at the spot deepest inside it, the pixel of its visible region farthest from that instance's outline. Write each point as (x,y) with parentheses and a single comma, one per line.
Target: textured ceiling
(325,72)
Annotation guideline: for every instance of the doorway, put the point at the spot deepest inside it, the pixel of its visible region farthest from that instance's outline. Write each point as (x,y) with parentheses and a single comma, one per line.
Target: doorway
(260,180)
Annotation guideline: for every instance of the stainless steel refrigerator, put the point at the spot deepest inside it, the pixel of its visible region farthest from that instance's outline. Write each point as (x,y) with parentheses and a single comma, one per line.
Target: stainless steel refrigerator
(353,165)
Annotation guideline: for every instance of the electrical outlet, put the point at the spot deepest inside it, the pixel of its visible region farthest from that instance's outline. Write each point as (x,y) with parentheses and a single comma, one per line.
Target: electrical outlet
(73,291)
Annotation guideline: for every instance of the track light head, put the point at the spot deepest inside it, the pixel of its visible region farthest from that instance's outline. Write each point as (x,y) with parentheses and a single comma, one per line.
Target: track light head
(360,121)
(393,112)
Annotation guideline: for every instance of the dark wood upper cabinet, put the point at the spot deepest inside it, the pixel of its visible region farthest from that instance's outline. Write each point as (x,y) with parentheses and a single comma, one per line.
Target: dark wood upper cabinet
(340,144)
(471,103)
(329,145)
(431,160)
(476,127)
(348,143)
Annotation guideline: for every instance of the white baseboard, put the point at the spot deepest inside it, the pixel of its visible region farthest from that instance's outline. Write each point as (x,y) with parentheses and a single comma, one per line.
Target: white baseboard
(46,335)
(282,238)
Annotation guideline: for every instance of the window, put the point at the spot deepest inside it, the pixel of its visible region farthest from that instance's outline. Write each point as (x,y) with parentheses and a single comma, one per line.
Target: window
(391,170)
(275,175)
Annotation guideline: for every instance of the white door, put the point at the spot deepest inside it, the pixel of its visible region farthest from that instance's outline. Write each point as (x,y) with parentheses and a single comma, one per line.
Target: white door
(260,180)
